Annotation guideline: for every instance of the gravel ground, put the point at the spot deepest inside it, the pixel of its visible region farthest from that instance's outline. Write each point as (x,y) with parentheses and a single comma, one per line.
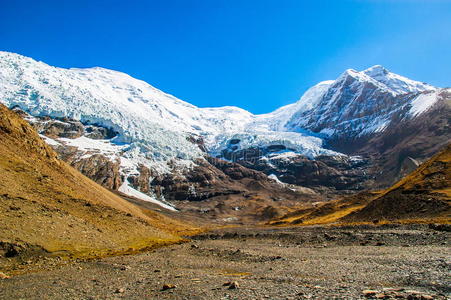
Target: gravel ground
(410,262)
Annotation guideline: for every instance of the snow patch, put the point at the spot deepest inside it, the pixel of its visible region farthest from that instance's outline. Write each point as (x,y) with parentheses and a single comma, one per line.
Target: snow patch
(275,178)
(128,190)
(422,103)
(92,145)
(50,141)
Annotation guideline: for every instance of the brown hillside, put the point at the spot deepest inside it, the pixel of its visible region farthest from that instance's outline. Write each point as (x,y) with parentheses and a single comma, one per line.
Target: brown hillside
(424,195)
(47,205)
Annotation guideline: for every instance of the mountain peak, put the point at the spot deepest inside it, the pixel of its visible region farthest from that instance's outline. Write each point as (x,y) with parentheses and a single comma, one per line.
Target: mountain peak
(386,80)
(376,70)
(350,72)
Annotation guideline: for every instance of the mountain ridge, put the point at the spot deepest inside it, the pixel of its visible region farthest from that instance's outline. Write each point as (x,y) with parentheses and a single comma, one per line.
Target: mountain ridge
(155,131)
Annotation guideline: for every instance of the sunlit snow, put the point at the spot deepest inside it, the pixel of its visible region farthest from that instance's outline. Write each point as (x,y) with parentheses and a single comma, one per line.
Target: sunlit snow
(422,103)
(126,189)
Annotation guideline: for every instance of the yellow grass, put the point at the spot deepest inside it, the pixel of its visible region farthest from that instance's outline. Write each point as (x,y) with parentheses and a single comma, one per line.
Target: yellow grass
(333,217)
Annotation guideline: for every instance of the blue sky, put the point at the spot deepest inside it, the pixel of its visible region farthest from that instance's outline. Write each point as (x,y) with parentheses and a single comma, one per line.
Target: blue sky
(258,54)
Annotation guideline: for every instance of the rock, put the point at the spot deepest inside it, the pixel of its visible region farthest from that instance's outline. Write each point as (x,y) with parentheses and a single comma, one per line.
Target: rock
(3,276)
(141,181)
(60,128)
(120,291)
(426,297)
(233,285)
(394,289)
(168,286)
(125,268)
(440,227)
(413,292)
(381,296)
(98,167)
(369,293)
(330,171)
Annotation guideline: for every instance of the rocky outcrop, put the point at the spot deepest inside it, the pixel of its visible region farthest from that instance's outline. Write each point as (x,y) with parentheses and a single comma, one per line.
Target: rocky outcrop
(199,141)
(141,182)
(66,127)
(96,132)
(209,178)
(333,172)
(97,167)
(54,128)
(228,192)
(100,169)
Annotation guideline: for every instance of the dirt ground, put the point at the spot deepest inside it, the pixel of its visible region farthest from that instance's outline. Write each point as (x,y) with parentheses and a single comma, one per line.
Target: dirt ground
(411,262)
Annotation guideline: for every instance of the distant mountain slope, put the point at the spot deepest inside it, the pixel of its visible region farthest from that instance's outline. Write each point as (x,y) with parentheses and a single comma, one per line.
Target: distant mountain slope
(385,124)
(47,205)
(406,142)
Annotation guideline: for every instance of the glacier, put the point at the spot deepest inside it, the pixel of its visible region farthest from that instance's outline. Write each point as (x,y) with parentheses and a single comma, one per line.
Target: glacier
(143,116)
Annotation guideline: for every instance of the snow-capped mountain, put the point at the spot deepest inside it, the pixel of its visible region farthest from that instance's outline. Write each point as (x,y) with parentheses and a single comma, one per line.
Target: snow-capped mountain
(154,130)
(359,103)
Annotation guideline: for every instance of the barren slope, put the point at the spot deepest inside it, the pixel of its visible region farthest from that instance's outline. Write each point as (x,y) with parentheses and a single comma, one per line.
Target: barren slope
(325,213)
(424,195)
(421,197)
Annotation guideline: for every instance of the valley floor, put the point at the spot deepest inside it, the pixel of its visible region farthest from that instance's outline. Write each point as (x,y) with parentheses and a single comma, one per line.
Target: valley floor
(267,263)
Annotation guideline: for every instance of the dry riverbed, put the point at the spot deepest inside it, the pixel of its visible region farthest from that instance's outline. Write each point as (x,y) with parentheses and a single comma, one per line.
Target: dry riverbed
(411,262)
